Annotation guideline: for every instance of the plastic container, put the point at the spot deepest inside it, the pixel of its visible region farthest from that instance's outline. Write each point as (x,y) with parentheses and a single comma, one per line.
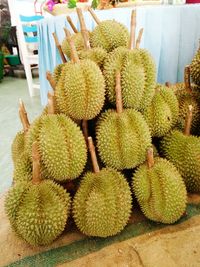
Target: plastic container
(13,60)
(1,65)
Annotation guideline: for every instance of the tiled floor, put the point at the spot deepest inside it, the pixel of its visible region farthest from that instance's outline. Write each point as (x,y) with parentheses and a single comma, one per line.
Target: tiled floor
(11,89)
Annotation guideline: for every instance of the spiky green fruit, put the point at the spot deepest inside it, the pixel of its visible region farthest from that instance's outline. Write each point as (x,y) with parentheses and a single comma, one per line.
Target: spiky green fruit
(78,42)
(81,92)
(195,68)
(138,77)
(23,169)
(122,139)
(18,145)
(184,152)
(61,144)
(57,72)
(160,191)
(38,212)
(162,114)
(102,204)
(109,34)
(97,54)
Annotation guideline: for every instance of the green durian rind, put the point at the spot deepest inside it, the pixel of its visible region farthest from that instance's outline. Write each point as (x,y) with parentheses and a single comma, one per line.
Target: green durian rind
(184,152)
(23,169)
(122,139)
(38,213)
(97,54)
(18,145)
(160,191)
(57,72)
(102,204)
(78,42)
(109,35)
(195,68)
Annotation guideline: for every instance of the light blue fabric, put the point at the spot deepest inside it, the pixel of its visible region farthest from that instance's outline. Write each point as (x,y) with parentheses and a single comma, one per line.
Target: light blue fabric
(171,34)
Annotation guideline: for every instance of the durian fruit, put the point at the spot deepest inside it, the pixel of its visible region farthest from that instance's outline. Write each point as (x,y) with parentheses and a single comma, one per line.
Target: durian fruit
(183,151)
(102,204)
(160,190)
(80,93)
(195,68)
(61,144)
(162,114)
(138,73)
(57,72)
(23,169)
(108,34)
(37,210)
(123,136)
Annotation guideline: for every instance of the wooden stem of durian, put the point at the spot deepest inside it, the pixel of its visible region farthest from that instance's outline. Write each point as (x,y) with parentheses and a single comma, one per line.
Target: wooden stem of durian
(50,79)
(84,30)
(36,164)
(93,155)
(94,15)
(168,84)
(118,91)
(72,24)
(23,116)
(59,48)
(150,158)
(85,130)
(51,103)
(138,41)
(187,79)
(188,122)
(133,27)
(74,55)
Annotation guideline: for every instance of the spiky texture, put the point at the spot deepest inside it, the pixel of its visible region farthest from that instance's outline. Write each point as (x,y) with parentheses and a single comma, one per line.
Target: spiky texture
(38,213)
(195,68)
(137,77)
(17,147)
(23,169)
(184,152)
(97,54)
(102,204)
(162,114)
(57,72)
(61,144)
(160,191)
(78,42)
(122,139)
(80,92)
(109,34)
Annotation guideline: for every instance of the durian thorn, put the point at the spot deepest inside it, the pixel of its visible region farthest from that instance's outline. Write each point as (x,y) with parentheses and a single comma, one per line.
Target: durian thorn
(36,163)
(187,79)
(168,84)
(50,79)
(51,103)
(94,16)
(138,41)
(188,122)
(83,28)
(72,24)
(74,55)
(85,130)
(150,158)
(93,155)
(59,47)
(132,30)
(23,116)
(118,92)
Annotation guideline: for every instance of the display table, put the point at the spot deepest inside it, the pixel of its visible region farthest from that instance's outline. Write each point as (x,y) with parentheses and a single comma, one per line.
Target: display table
(171,34)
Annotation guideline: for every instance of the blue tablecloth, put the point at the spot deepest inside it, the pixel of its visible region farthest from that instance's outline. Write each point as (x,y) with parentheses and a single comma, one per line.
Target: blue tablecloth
(171,34)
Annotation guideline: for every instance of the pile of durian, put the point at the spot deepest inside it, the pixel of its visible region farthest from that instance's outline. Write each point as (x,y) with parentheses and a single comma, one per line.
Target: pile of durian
(105,95)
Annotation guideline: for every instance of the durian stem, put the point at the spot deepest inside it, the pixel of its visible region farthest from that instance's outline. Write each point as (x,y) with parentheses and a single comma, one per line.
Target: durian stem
(74,55)
(168,84)
(51,103)
(94,16)
(72,24)
(84,30)
(59,48)
(23,116)
(36,164)
(50,79)
(133,27)
(187,79)
(138,41)
(150,158)
(85,130)
(93,155)
(188,122)
(118,92)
